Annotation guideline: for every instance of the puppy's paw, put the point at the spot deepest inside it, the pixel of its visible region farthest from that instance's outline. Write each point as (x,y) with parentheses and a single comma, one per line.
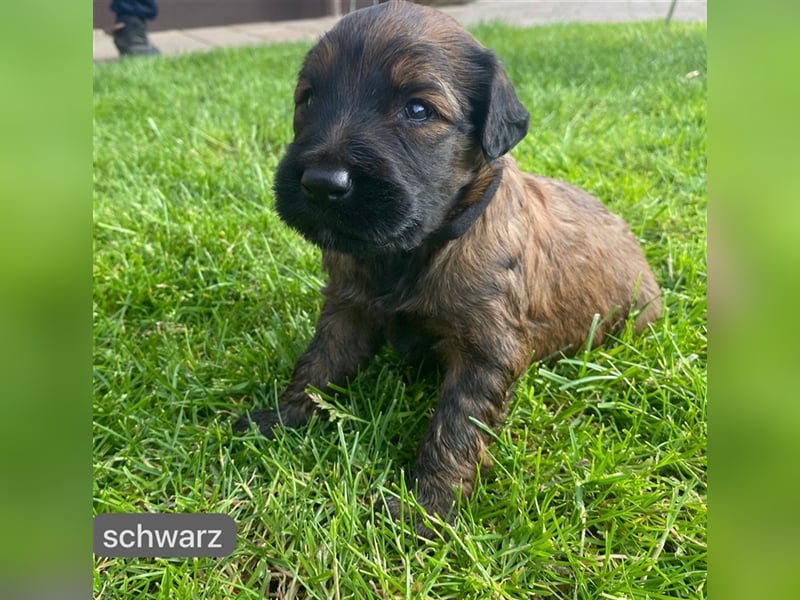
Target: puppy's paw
(266,419)
(426,528)
(291,412)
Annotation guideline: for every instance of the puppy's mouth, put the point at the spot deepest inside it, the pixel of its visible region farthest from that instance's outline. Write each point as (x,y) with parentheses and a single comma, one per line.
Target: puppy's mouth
(330,230)
(351,243)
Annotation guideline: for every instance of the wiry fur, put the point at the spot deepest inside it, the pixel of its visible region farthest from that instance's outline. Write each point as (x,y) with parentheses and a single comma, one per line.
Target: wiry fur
(524,282)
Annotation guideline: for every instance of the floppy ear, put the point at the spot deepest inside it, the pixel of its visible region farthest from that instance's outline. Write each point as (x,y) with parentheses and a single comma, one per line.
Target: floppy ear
(500,118)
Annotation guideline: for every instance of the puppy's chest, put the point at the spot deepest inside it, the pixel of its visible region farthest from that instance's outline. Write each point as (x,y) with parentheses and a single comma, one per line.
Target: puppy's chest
(396,286)
(389,285)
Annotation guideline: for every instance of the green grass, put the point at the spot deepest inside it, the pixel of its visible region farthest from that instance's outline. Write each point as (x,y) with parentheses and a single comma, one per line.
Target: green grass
(203,300)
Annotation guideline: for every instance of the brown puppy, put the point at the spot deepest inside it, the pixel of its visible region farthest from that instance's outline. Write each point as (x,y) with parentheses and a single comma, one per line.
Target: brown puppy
(433,240)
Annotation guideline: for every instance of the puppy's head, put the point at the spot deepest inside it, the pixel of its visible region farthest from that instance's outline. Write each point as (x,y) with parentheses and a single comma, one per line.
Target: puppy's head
(397,111)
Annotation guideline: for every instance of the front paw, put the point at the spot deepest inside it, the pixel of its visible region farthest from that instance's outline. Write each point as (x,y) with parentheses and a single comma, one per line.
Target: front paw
(291,412)
(266,419)
(437,508)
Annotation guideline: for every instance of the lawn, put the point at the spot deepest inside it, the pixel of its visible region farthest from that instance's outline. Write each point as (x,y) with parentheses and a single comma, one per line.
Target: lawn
(203,300)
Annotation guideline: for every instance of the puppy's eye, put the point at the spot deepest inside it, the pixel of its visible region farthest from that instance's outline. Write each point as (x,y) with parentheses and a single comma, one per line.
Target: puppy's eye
(417,110)
(306,99)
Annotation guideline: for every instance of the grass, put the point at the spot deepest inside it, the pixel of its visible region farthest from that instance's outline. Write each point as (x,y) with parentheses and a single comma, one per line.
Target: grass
(203,300)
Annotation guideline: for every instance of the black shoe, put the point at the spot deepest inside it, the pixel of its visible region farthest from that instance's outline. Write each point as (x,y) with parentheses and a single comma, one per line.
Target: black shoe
(130,38)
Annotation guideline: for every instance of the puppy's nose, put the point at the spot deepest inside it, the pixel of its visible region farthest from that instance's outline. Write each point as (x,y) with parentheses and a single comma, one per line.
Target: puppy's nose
(326,185)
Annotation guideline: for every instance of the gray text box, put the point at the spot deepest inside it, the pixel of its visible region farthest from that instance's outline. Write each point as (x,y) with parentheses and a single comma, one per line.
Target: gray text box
(164,535)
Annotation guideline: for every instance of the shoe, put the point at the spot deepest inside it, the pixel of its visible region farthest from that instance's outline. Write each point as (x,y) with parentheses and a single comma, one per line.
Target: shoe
(130,38)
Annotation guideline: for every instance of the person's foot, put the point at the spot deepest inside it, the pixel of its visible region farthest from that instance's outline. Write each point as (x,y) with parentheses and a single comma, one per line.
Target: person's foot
(130,38)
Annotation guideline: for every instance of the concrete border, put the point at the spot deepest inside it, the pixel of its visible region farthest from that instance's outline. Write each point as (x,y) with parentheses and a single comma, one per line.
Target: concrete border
(518,12)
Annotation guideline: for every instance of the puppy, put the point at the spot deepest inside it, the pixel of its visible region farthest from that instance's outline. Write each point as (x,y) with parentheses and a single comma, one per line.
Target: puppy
(433,239)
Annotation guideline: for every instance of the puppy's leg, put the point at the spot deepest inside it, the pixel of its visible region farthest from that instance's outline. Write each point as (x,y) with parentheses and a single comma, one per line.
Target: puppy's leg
(345,337)
(476,385)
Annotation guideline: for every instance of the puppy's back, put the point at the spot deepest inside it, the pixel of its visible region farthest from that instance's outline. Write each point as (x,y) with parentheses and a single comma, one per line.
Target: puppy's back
(585,260)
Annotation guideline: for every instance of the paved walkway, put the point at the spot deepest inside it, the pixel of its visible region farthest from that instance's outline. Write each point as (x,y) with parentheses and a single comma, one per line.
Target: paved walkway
(519,12)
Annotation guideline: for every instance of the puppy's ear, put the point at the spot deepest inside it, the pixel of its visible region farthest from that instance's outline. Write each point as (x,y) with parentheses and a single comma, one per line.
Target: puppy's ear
(500,119)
